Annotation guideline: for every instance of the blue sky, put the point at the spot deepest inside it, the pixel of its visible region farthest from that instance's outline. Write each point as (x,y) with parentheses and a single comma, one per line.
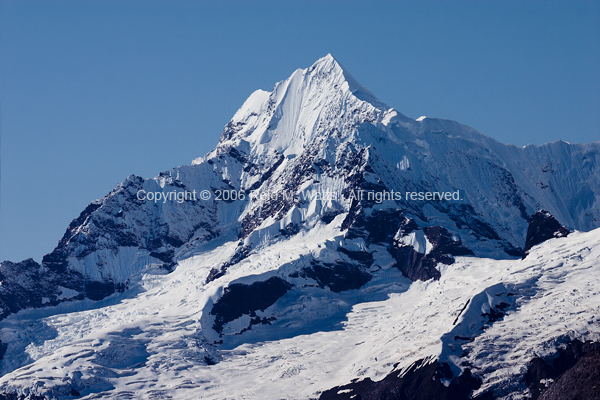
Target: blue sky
(91,92)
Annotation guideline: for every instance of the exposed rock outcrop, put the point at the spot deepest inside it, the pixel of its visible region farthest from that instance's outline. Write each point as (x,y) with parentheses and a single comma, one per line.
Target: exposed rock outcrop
(572,373)
(422,381)
(542,226)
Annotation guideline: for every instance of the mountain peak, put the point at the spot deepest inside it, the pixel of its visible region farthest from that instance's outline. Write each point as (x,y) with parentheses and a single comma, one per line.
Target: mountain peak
(317,210)
(329,65)
(299,108)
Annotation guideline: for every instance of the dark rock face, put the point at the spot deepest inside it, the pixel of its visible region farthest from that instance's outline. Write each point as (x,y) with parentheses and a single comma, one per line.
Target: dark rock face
(542,226)
(337,277)
(98,290)
(24,285)
(582,381)
(15,396)
(329,216)
(3,348)
(378,227)
(118,221)
(414,265)
(240,254)
(28,285)
(573,374)
(422,381)
(240,299)
(420,266)
(444,245)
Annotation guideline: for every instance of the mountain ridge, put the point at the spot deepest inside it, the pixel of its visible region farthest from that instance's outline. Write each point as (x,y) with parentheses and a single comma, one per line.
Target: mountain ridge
(276,245)
(327,131)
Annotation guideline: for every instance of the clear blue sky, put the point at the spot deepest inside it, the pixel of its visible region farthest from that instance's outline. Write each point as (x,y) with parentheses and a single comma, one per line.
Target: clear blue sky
(91,92)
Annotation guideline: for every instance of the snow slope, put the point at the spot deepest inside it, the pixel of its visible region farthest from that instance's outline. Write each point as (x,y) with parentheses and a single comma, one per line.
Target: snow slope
(154,344)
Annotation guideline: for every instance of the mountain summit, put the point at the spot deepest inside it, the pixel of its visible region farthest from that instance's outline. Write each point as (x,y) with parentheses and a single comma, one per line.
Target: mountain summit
(299,155)
(287,118)
(317,200)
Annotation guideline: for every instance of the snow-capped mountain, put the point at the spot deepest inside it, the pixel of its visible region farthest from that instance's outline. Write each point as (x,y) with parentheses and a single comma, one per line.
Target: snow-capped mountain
(328,241)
